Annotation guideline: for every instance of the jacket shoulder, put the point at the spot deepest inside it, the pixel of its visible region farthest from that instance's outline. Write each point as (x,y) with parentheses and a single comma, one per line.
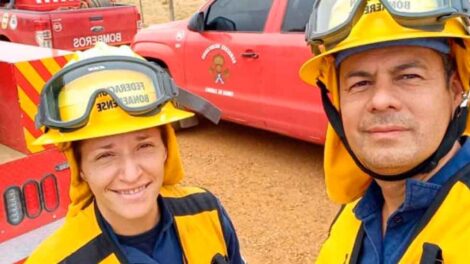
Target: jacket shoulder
(76,232)
(341,240)
(189,200)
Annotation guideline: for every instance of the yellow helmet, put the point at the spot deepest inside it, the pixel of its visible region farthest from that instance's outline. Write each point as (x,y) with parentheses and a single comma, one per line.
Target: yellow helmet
(94,94)
(107,91)
(345,180)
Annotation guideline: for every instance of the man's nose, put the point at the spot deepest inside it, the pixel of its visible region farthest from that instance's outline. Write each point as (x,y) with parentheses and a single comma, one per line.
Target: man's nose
(131,170)
(384,96)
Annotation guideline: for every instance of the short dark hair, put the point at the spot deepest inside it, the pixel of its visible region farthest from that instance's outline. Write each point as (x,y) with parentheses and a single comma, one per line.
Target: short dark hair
(449,65)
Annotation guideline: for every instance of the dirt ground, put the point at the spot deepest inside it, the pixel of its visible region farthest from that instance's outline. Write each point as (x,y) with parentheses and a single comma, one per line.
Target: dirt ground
(271,185)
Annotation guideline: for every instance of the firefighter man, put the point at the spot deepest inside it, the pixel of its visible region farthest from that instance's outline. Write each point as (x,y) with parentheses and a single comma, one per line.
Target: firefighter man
(394,78)
(110,112)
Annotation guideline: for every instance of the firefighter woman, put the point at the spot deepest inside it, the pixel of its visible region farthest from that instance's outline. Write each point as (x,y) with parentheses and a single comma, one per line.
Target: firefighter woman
(394,77)
(110,112)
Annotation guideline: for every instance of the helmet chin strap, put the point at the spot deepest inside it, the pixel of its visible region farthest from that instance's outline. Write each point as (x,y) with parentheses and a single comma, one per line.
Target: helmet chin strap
(454,131)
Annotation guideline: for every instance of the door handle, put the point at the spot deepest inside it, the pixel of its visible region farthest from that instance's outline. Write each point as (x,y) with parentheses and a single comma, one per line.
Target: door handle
(250,54)
(96,18)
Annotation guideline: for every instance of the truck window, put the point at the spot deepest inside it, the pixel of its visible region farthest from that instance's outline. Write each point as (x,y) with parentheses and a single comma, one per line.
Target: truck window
(297,15)
(238,15)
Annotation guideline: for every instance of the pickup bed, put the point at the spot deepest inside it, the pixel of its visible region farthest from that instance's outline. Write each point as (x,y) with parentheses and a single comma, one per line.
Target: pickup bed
(70,27)
(244,56)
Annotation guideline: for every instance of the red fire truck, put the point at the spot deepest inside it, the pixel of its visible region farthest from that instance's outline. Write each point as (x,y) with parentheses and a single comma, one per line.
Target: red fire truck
(67,24)
(34,180)
(244,56)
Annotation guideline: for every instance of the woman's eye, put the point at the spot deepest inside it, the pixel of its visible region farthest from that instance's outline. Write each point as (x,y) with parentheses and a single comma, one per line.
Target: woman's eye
(145,146)
(104,156)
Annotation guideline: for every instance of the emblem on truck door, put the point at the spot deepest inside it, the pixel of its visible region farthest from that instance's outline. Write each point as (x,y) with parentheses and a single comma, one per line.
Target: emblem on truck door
(57,26)
(218,69)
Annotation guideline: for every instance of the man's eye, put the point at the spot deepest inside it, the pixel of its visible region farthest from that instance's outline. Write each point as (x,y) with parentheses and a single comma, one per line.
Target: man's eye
(360,84)
(410,76)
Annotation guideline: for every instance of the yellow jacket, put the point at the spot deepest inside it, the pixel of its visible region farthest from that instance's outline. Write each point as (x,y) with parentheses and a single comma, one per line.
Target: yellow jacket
(443,233)
(82,239)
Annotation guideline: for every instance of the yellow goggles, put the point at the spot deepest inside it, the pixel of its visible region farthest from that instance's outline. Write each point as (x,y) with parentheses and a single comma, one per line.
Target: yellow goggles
(137,86)
(332,21)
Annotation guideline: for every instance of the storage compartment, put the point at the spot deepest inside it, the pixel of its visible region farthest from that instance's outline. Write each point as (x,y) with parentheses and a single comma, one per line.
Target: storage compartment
(45,5)
(24,72)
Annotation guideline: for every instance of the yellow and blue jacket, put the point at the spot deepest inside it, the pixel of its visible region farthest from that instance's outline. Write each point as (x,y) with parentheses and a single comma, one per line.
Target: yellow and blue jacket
(196,216)
(442,235)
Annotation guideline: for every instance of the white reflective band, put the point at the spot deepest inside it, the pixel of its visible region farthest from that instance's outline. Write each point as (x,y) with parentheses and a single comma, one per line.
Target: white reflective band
(465,99)
(38,1)
(20,247)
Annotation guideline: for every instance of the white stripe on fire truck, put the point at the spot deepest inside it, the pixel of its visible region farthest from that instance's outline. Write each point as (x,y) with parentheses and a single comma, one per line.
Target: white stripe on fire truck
(20,247)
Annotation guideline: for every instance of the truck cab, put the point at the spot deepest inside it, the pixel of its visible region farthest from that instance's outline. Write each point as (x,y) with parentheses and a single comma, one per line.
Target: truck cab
(67,24)
(244,56)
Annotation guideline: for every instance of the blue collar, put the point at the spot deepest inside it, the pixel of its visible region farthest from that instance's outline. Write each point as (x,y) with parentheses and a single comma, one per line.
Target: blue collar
(418,194)
(166,222)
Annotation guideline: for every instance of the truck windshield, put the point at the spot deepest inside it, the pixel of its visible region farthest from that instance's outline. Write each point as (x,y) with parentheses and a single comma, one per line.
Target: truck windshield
(238,15)
(297,15)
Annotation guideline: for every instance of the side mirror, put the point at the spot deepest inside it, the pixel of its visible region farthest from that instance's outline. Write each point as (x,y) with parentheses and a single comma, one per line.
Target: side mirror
(196,22)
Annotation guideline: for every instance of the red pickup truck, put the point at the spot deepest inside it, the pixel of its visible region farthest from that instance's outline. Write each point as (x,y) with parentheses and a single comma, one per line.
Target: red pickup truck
(67,24)
(244,56)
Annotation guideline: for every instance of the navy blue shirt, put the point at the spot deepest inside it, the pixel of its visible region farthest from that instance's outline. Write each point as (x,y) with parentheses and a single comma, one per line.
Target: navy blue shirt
(166,247)
(389,248)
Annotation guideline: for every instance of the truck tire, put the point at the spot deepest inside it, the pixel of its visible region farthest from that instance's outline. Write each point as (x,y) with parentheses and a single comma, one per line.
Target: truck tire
(4,38)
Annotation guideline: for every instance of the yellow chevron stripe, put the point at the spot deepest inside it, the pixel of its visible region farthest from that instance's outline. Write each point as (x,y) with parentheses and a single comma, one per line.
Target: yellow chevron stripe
(31,75)
(29,142)
(26,104)
(51,65)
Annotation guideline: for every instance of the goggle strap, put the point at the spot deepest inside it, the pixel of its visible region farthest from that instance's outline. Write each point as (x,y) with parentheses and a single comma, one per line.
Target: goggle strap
(198,104)
(315,49)
(38,119)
